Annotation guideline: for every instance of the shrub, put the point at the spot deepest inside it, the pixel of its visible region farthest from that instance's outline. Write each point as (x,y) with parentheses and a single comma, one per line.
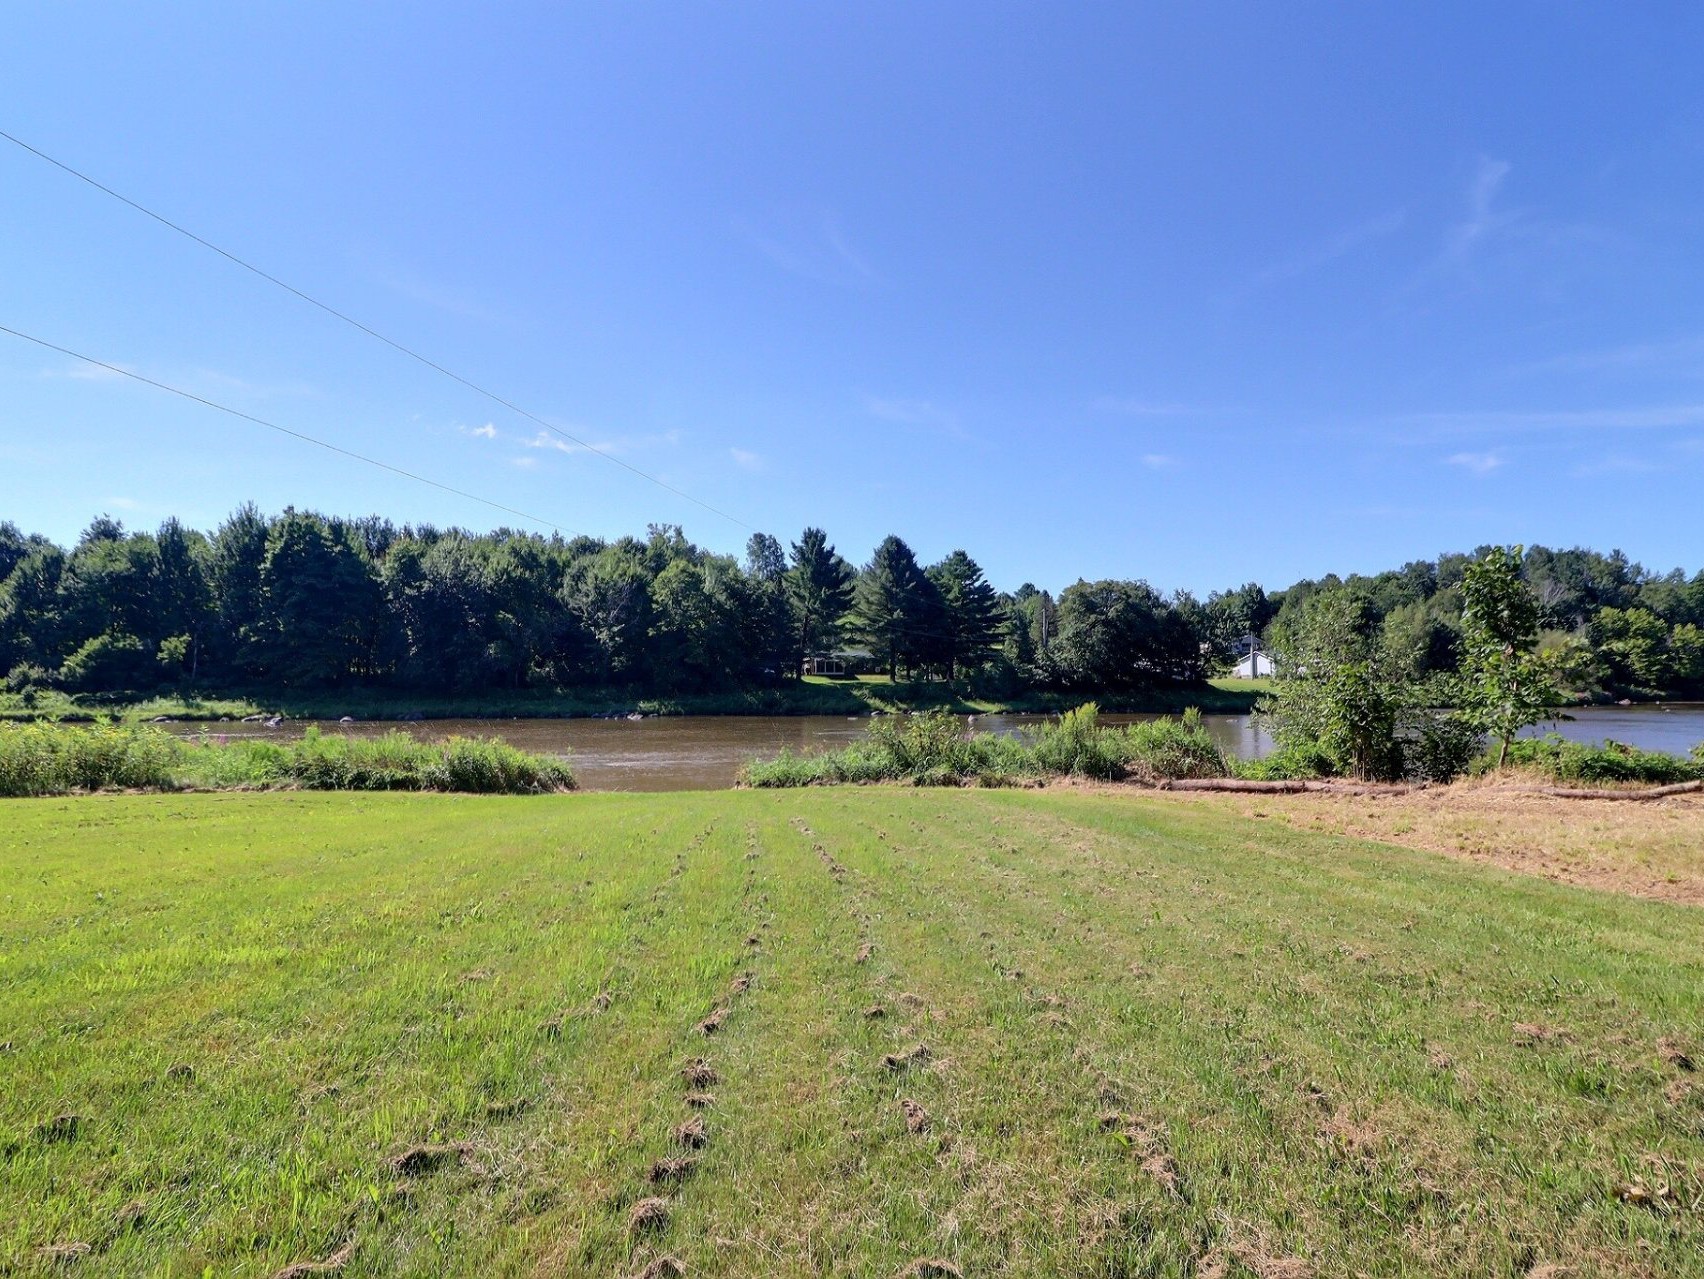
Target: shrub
(51,759)
(935,750)
(1566,761)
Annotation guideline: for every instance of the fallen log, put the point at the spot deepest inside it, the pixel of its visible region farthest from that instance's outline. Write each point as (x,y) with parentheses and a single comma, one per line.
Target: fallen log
(1601,792)
(1292,786)
(1297,787)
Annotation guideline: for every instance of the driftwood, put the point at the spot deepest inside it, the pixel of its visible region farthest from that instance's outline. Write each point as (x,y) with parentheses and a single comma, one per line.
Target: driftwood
(1238,784)
(1590,792)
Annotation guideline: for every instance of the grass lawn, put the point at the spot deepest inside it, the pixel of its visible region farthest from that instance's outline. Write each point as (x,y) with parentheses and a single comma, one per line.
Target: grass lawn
(428,1035)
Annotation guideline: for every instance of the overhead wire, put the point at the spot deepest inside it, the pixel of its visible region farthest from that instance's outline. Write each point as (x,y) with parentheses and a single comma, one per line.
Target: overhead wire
(369,331)
(553,525)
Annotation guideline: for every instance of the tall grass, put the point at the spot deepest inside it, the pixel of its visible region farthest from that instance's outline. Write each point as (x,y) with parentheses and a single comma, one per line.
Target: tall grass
(56,759)
(936,750)
(1564,761)
(47,759)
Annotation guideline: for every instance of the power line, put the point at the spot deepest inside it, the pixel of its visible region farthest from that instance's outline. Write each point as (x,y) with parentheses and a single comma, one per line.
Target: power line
(282,430)
(370,332)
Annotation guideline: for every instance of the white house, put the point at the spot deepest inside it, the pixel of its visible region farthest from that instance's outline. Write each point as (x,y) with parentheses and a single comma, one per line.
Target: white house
(1254,665)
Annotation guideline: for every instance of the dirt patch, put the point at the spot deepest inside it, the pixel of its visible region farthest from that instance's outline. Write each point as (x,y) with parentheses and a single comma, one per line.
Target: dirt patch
(692,1134)
(1526,1034)
(931,1268)
(418,1160)
(698,1073)
(662,1268)
(330,1266)
(64,1254)
(911,1002)
(1163,1169)
(700,1100)
(864,953)
(916,1118)
(671,1172)
(507,1109)
(1648,849)
(916,1055)
(1218,1262)
(711,1024)
(740,984)
(649,1216)
(59,1128)
(133,1216)
(1670,1050)
(875,1012)
(180,1073)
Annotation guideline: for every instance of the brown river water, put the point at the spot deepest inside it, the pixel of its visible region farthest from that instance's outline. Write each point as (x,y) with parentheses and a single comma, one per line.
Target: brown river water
(704,752)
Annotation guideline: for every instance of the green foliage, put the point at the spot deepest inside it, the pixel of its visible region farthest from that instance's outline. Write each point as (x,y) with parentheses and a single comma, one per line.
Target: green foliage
(54,759)
(894,607)
(935,749)
(1566,761)
(50,759)
(1347,702)
(108,661)
(819,589)
(1505,685)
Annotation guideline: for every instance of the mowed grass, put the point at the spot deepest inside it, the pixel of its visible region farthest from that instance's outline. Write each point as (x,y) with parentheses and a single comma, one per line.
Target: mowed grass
(1161,1039)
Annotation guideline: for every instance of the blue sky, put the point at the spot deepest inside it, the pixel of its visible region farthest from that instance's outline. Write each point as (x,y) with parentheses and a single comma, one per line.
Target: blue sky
(1199,293)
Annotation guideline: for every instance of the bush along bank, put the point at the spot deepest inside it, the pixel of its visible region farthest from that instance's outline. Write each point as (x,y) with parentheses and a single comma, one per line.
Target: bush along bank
(935,750)
(58,759)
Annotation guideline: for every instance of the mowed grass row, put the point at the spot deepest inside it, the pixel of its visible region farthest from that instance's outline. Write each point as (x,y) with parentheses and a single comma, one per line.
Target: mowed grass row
(1136,1038)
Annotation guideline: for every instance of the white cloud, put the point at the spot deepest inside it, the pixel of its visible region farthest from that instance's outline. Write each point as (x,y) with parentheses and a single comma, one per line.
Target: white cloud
(486,432)
(1328,250)
(1158,461)
(1477,463)
(621,444)
(923,413)
(746,460)
(823,253)
(524,462)
(1482,220)
(1133,407)
(1643,418)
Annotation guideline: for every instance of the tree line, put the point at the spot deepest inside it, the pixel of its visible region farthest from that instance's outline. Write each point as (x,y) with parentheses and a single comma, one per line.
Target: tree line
(301,600)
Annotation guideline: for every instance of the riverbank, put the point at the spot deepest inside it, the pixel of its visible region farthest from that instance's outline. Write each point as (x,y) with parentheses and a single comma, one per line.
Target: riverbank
(812,696)
(989,1028)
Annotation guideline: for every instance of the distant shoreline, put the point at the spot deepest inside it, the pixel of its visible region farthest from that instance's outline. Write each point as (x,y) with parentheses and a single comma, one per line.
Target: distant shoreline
(812,697)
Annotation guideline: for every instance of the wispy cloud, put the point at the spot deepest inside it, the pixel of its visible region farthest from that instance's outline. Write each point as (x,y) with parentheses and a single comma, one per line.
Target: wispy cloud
(1133,406)
(1615,464)
(620,444)
(1683,355)
(90,373)
(1640,418)
(924,413)
(524,461)
(1483,220)
(823,253)
(487,432)
(1476,463)
(746,460)
(1158,461)
(1313,257)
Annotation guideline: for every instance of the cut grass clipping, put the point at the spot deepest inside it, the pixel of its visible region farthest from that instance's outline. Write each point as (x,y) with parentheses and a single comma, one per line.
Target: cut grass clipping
(1124,1035)
(57,759)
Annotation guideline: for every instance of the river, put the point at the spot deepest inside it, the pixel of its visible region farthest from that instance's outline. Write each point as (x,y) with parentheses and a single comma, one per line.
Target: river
(705,752)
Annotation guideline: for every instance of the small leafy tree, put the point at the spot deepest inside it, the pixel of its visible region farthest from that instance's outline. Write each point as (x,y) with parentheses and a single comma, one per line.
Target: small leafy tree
(1505,684)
